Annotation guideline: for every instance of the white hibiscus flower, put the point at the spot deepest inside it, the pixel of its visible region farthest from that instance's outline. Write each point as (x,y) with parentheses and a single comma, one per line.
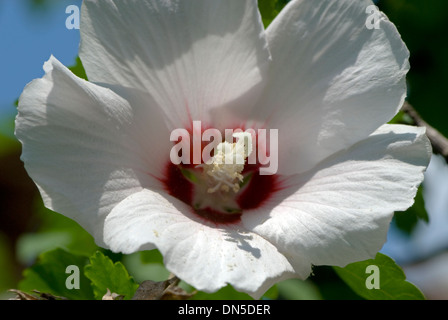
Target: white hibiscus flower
(99,151)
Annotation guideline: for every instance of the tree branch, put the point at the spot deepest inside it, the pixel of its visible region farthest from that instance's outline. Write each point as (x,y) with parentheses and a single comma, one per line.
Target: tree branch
(164,290)
(438,141)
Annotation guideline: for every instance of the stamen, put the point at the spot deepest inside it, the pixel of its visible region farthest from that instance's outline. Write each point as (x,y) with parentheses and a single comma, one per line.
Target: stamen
(224,169)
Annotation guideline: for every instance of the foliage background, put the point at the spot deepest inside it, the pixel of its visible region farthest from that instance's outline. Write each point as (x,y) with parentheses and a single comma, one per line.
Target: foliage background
(31,30)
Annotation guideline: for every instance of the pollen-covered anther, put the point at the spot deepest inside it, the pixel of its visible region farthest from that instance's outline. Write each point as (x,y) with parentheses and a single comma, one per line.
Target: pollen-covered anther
(223,170)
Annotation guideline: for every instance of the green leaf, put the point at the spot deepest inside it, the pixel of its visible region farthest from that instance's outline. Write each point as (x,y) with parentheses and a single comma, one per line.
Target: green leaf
(55,231)
(78,69)
(146,265)
(226,293)
(407,220)
(330,286)
(50,274)
(6,264)
(379,279)
(105,274)
(419,206)
(269,9)
(295,289)
(271,294)
(151,256)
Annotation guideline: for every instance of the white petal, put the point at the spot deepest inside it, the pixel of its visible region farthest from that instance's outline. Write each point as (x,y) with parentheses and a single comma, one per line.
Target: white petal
(191,56)
(340,211)
(205,256)
(80,146)
(332,80)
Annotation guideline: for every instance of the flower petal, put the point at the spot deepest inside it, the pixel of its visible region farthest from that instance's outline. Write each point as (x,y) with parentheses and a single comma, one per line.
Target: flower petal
(340,211)
(205,256)
(80,145)
(191,56)
(332,80)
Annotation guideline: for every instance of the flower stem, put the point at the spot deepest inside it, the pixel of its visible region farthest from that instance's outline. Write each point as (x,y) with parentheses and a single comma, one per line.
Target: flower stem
(438,141)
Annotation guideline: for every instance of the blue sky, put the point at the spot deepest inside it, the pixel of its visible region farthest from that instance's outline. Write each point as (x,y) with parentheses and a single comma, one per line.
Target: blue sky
(28,37)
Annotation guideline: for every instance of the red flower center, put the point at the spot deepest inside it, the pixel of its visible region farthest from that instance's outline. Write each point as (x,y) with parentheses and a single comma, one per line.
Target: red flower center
(188,183)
